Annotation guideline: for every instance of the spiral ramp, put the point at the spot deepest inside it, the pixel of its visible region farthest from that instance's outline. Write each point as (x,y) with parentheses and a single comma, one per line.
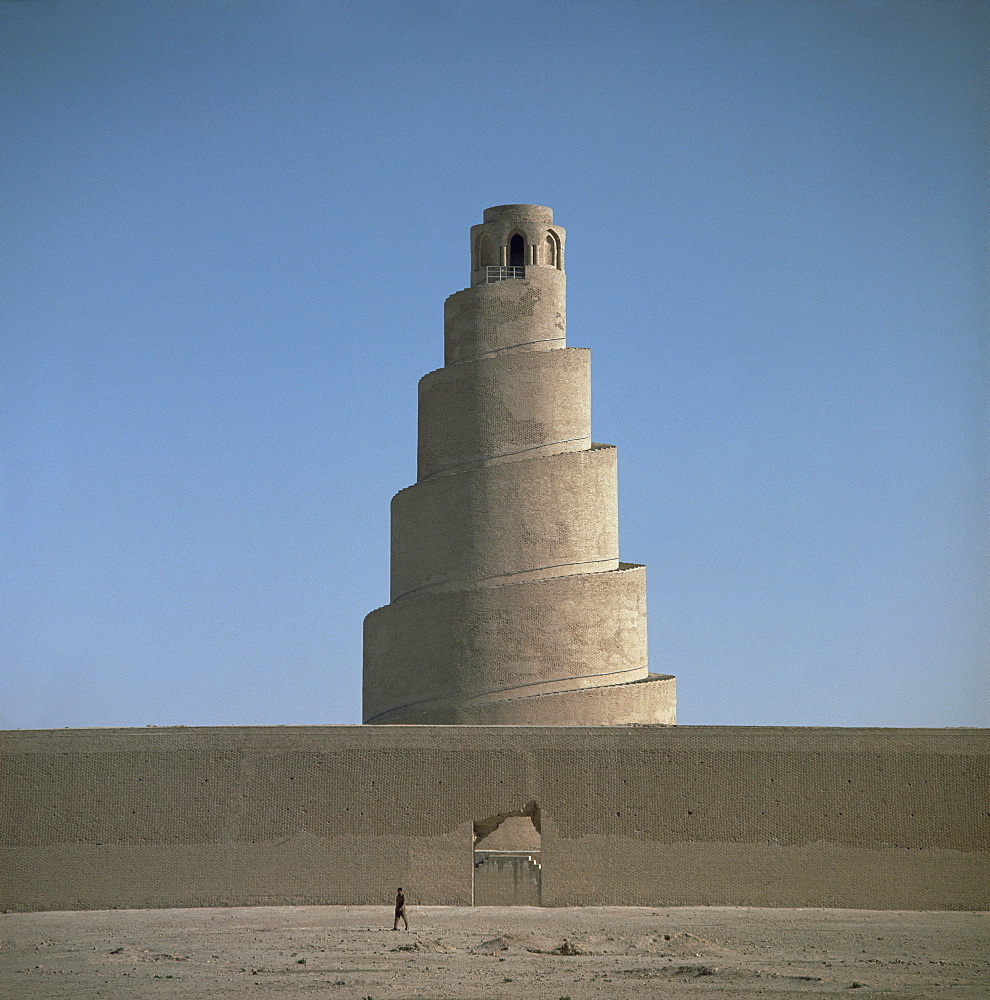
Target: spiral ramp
(508,601)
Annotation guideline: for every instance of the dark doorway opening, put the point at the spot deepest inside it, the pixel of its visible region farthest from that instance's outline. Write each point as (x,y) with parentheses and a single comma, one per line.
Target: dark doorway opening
(517,251)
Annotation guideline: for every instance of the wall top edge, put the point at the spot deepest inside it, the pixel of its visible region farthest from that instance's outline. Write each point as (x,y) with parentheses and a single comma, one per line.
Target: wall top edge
(766,739)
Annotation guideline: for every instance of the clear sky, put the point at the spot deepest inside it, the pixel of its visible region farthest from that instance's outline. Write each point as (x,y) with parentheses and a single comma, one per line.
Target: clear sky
(226,233)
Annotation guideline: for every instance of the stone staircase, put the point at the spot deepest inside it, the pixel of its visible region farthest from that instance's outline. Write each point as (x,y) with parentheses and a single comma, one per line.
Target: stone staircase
(507,878)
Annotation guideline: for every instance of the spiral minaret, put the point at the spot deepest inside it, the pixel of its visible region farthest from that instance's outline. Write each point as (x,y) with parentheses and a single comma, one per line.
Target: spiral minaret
(508,601)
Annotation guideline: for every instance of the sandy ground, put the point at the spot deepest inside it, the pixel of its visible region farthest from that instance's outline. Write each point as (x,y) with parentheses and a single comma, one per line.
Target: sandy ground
(350,953)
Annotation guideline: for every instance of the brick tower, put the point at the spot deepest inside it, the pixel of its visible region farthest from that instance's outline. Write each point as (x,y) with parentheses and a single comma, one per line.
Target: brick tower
(508,601)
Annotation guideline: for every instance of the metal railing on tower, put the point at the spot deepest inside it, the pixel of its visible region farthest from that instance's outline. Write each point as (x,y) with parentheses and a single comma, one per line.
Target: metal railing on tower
(504,273)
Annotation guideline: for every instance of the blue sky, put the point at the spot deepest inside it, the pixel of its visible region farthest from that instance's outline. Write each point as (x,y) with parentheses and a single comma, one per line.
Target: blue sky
(228,229)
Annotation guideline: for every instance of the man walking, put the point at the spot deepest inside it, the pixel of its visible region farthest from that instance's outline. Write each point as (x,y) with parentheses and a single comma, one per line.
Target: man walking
(400,910)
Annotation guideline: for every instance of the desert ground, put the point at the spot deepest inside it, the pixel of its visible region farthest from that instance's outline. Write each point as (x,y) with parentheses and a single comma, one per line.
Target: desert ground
(477,953)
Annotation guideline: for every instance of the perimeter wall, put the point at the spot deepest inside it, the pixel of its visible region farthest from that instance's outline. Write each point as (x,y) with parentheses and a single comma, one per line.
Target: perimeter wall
(642,815)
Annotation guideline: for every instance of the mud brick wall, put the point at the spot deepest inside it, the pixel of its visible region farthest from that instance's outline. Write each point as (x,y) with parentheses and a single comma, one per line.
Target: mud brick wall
(642,815)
